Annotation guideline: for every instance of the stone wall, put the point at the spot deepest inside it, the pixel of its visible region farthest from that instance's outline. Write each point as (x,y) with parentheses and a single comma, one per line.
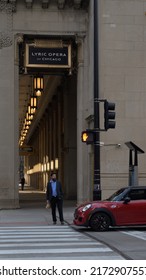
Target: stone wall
(122,80)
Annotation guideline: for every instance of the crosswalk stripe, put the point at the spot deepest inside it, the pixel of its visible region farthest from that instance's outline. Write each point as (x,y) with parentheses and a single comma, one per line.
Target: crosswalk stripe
(55,251)
(38,235)
(63,239)
(51,227)
(51,244)
(33,229)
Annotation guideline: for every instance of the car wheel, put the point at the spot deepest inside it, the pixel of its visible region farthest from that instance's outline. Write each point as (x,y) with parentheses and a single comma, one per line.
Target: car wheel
(100,222)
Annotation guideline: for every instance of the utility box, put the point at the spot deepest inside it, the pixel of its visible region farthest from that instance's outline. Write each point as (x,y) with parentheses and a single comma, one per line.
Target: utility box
(134,150)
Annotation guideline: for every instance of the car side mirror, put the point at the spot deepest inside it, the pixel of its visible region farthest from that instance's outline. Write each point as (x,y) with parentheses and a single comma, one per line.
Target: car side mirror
(126,200)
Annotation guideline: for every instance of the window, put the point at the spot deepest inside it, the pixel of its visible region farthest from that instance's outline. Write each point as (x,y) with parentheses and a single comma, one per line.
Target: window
(137,194)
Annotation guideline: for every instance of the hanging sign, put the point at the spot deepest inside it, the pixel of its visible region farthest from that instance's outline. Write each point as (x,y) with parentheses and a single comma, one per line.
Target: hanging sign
(48,57)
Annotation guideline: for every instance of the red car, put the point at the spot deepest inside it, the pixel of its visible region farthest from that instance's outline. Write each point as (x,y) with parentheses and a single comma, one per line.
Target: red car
(126,207)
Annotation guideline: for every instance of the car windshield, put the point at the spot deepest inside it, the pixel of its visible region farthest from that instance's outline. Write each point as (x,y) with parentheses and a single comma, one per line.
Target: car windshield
(118,195)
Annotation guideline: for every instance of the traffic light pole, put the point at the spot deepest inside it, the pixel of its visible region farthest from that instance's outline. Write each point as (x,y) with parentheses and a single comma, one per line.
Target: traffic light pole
(97,187)
(92,136)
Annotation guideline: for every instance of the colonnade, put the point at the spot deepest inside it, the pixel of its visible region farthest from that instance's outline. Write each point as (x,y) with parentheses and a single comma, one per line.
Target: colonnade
(54,141)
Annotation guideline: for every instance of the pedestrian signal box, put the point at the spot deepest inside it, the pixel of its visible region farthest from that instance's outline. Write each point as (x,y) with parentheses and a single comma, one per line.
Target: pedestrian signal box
(87,137)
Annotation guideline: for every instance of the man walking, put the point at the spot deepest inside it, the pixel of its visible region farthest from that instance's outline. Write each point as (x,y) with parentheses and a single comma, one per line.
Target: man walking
(55,197)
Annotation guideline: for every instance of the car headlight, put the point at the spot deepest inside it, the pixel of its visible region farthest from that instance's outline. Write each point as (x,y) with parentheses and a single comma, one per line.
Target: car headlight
(85,208)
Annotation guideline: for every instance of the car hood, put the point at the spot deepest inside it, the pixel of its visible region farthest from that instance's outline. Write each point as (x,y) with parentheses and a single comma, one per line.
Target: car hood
(101,203)
(96,204)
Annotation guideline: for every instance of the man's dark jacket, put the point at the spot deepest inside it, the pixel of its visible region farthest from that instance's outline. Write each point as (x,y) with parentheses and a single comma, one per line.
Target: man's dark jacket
(58,190)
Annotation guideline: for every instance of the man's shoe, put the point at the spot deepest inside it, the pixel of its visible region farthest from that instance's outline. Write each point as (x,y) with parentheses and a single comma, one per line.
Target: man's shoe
(62,223)
(54,223)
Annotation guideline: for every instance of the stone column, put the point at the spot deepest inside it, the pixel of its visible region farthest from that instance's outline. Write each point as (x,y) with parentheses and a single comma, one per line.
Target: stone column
(9,88)
(59,132)
(51,136)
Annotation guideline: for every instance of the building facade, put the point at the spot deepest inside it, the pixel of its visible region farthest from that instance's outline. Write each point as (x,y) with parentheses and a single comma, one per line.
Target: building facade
(54,41)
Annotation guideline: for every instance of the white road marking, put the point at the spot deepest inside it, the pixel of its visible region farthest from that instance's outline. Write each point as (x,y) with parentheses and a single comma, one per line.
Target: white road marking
(137,234)
(46,242)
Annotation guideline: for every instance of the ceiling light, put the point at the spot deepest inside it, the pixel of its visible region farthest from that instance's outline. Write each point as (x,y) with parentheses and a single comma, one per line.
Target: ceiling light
(33,102)
(38,85)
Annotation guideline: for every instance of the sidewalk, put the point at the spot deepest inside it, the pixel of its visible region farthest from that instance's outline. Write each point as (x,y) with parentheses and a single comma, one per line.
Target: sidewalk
(32,211)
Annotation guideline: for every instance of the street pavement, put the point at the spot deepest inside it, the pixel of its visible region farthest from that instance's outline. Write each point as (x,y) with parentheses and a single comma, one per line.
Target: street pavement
(33,211)
(28,233)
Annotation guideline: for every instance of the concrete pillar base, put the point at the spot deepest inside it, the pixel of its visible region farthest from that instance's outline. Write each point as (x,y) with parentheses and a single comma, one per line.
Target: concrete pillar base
(9,204)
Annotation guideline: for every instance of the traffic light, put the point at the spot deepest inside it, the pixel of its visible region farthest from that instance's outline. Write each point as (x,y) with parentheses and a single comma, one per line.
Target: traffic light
(87,137)
(109,115)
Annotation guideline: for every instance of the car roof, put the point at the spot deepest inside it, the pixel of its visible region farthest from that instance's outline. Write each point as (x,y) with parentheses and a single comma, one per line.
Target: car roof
(137,187)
